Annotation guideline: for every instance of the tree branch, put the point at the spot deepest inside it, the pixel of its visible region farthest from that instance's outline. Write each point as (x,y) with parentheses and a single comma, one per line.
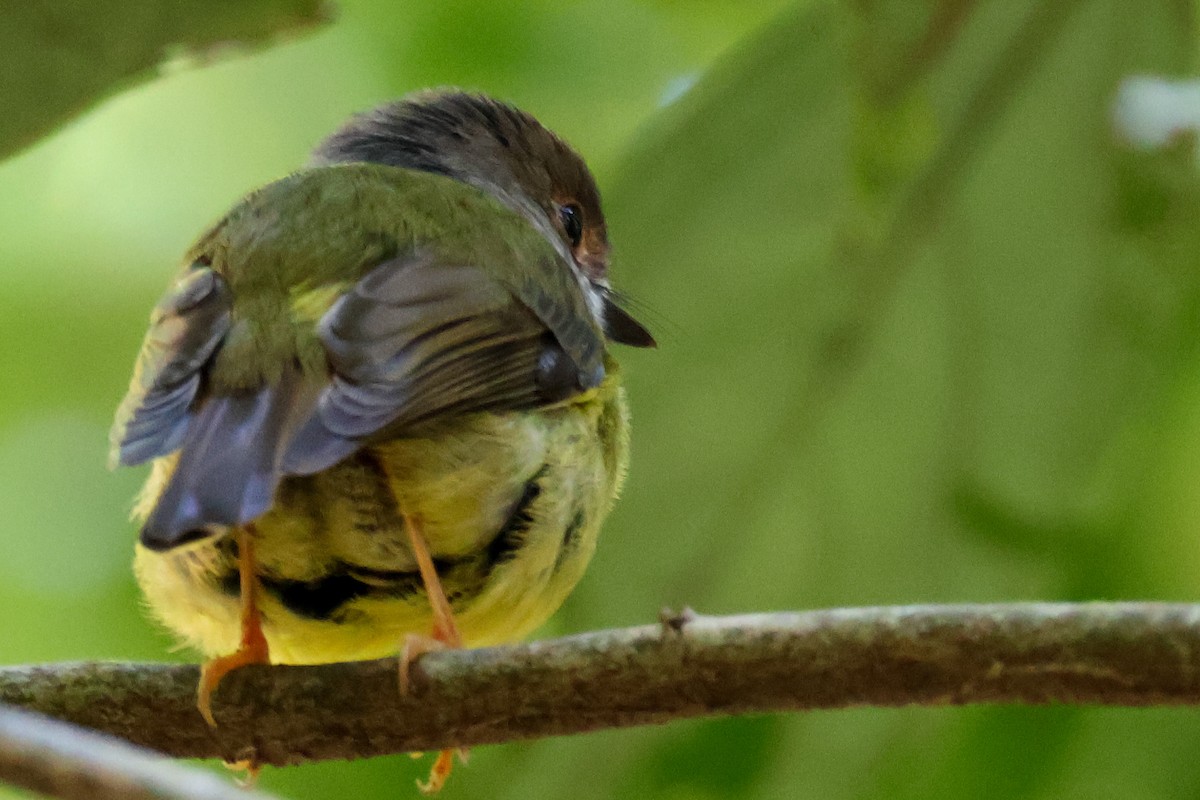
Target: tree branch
(1127,654)
(60,760)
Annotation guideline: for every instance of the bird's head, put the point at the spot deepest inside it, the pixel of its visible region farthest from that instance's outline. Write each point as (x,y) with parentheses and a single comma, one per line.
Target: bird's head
(507,153)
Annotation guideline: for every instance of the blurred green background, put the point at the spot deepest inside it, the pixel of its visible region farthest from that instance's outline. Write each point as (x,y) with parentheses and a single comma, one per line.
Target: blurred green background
(928,334)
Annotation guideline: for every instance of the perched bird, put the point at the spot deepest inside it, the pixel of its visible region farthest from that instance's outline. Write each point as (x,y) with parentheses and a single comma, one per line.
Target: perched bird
(379,397)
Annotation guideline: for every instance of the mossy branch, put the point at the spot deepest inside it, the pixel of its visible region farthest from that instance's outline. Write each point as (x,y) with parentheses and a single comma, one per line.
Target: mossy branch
(1117,654)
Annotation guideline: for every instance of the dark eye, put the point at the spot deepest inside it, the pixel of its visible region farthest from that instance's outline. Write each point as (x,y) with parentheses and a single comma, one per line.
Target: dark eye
(572,222)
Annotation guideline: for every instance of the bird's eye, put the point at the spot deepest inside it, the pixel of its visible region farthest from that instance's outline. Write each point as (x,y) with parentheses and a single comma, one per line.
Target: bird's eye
(572,222)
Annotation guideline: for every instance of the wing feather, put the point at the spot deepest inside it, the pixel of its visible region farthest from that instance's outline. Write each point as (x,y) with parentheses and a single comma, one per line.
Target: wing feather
(229,461)
(417,338)
(413,340)
(186,328)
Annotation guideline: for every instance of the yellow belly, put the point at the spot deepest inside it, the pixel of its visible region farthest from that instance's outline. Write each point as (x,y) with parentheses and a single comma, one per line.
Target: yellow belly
(511,505)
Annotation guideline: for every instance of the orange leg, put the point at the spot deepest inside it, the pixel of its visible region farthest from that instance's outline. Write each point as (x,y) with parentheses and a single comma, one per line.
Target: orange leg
(445,634)
(253,649)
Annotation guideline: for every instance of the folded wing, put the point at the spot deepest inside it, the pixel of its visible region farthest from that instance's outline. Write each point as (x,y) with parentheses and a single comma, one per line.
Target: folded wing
(415,339)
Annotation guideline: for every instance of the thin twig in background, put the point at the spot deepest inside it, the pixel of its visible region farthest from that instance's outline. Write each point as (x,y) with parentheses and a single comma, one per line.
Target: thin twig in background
(61,760)
(1118,654)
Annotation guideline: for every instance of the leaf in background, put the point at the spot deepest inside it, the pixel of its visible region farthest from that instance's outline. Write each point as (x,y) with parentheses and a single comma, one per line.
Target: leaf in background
(58,58)
(932,320)
(912,300)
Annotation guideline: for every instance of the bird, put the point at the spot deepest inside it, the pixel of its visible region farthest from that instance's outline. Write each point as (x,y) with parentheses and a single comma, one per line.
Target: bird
(380,399)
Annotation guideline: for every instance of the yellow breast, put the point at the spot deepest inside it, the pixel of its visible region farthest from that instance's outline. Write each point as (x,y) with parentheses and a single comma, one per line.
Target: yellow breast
(510,503)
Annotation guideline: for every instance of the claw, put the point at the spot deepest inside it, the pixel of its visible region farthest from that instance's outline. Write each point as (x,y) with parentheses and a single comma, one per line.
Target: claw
(445,636)
(253,648)
(250,769)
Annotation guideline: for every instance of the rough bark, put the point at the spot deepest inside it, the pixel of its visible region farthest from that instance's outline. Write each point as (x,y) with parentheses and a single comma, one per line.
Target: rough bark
(1120,654)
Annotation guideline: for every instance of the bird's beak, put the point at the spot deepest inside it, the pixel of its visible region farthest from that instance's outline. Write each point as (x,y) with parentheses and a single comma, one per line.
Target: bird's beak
(624,329)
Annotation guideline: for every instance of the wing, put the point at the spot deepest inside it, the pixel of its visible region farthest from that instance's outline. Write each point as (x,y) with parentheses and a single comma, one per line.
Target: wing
(229,462)
(228,445)
(416,339)
(186,328)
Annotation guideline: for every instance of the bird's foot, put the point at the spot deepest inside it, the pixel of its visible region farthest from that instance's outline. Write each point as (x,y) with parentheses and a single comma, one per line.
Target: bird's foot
(415,646)
(249,769)
(253,648)
(216,669)
(440,771)
(445,636)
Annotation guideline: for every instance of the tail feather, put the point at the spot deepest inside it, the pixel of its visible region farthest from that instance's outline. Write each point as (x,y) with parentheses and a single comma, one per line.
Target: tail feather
(230,462)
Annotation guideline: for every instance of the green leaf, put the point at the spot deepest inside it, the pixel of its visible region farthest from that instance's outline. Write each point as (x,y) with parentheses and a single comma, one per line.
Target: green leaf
(58,59)
(931,322)
(895,307)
